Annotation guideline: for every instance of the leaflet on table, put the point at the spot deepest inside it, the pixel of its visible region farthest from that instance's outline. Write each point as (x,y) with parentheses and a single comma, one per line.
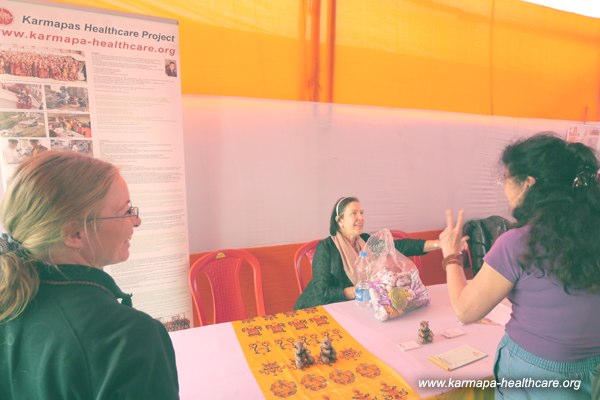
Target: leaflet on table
(452,333)
(457,357)
(500,315)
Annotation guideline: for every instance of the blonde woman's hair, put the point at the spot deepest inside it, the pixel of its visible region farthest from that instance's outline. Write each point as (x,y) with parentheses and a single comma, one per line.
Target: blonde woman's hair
(45,193)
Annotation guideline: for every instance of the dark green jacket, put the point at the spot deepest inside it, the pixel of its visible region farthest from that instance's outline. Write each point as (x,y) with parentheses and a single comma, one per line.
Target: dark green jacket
(329,278)
(76,341)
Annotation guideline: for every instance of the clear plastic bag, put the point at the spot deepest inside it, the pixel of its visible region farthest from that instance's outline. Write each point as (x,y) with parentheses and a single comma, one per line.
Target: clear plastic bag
(395,284)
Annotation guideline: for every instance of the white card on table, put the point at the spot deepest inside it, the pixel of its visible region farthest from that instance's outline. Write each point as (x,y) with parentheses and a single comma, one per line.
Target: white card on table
(452,333)
(457,357)
(410,345)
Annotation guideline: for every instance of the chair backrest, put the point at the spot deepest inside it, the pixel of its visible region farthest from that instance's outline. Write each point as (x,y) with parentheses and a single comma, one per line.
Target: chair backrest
(482,235)
(396,234)
(468,263)
(306,250)
(222,269)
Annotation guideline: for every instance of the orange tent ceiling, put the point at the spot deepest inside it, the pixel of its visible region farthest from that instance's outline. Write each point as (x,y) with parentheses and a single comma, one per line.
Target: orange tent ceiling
(507,57)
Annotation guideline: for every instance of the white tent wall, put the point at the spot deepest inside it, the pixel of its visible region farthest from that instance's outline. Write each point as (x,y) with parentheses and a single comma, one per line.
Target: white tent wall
(267,172)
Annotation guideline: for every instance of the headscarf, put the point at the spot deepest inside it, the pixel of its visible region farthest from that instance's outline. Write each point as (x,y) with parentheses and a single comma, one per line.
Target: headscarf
(349,253)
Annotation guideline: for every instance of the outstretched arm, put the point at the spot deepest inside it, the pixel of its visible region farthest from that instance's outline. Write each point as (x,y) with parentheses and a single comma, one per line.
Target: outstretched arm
(474,300)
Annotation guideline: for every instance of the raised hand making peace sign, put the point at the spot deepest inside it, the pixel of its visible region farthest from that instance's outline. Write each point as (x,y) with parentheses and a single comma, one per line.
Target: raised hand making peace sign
(452,240)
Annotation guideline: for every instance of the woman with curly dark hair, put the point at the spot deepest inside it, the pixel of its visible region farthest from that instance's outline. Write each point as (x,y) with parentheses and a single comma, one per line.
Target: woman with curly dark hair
(548,266)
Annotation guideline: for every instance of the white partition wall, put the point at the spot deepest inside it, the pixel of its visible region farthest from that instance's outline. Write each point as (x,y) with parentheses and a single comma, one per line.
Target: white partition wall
(265,172)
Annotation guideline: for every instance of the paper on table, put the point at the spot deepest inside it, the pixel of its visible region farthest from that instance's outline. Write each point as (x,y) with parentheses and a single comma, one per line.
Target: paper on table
(500,315)
(452,333)
(410,345)
(457,357)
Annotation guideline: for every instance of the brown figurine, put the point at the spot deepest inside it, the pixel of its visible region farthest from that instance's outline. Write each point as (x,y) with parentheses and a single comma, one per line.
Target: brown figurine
(328,354)
(303,358)
(425,334)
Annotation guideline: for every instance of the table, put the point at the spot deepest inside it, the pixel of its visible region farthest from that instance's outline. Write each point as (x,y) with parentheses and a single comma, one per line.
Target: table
(211,363)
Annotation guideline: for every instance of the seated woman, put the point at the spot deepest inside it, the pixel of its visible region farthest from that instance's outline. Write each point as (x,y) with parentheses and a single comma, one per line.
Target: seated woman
(66,329)
(333,270)
(548,266)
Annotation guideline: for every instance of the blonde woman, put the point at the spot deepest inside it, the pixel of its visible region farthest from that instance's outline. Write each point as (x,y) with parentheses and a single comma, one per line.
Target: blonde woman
(66,329)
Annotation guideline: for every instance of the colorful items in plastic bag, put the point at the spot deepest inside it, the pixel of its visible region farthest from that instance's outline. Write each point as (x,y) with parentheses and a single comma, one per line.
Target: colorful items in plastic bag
(395,284)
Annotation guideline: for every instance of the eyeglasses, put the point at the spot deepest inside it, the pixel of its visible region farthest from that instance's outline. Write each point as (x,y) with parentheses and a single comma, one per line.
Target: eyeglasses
(130,213)
(501,178)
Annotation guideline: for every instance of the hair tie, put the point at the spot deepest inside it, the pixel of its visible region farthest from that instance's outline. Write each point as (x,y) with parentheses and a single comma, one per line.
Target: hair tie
(337,206)
(584,176)
(10,245)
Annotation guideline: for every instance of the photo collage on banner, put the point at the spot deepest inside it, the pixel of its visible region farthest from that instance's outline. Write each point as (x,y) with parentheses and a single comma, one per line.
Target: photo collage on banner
(107,85)
(586,134)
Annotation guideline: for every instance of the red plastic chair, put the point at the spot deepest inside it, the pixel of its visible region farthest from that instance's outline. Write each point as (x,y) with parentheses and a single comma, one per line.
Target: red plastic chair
(222,269)
(403,235)
(306,250)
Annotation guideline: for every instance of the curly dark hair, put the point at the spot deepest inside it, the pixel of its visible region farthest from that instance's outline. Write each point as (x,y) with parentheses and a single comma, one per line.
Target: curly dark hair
(562,208)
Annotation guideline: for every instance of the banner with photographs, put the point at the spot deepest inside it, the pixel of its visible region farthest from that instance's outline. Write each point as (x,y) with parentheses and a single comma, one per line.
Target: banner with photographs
(586,134)
(105,84)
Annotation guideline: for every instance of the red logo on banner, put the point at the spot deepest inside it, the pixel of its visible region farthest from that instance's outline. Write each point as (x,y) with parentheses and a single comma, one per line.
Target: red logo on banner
(6,17)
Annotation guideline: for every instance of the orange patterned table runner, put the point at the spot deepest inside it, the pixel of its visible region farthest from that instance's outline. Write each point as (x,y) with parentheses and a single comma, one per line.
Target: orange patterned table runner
(268,344)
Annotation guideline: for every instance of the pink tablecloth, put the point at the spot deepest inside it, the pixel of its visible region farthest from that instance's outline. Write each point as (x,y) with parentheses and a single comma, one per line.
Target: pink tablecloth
(211,364)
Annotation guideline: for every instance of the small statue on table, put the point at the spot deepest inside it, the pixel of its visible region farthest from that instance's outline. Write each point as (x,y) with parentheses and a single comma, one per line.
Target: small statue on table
(425,334)
(328,353)
(303,358)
